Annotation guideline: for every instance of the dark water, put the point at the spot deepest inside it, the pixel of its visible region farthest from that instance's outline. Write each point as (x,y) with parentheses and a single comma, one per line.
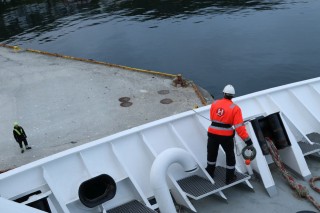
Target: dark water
(253,45)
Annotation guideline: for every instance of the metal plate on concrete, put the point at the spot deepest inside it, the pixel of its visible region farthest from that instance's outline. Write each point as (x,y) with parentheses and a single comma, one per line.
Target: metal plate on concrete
(126,104)
(124,99)
(163,92)
(166,101)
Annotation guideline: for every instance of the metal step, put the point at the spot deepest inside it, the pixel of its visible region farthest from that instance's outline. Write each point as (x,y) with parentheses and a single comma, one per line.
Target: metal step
(197,187)
(308,149)
(314,137)
(132,207)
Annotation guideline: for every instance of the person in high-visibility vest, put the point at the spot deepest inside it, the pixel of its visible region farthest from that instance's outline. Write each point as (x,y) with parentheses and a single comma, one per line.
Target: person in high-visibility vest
(20,136)
(226,118)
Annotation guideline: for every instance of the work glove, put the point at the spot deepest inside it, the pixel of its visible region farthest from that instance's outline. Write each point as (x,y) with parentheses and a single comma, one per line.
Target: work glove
(250,147)
(249,144)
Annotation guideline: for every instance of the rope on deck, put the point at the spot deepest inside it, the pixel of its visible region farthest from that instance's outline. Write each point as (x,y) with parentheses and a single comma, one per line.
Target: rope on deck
(313,185)
(301,190)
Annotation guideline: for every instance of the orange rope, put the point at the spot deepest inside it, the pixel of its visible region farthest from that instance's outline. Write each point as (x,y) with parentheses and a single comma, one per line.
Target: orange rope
(301,190)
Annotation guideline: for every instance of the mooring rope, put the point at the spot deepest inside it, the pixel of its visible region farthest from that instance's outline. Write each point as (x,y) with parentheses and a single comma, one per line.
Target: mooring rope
(301,190)
(313,185)
(5,170)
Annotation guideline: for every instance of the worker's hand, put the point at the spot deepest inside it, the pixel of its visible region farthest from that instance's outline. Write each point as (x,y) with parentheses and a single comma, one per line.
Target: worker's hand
(250,147)
(248,142)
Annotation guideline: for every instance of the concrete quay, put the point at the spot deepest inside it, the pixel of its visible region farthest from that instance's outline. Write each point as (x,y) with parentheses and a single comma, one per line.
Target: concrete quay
(63,102)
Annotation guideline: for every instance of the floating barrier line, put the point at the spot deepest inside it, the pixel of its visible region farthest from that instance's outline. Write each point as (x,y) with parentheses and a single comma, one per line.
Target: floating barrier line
(198,93)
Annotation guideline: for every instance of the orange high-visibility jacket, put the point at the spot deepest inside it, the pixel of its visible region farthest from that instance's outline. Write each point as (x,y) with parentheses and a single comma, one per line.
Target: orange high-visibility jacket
(227,116)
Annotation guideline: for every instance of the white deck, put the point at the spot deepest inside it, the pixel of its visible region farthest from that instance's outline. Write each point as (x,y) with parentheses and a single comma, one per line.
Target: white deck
(128,156)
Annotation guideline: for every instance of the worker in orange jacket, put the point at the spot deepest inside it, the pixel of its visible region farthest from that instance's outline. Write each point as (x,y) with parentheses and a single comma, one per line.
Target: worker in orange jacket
(226,118)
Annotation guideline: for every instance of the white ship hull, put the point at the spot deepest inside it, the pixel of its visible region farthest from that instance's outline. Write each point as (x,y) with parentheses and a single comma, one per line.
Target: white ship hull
(129,156)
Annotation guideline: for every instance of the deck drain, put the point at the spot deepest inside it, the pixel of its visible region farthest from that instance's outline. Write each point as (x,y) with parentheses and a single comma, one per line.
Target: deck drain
(126,104)
(166,101)
(163,92)
(124,99)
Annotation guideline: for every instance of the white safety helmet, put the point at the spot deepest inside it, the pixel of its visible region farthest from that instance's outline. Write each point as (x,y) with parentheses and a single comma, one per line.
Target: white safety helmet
(229,89)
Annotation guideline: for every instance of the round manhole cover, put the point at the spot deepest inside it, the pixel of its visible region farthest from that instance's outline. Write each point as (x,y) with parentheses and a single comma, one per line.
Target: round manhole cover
(126,104)
(124,99)
(166,101)
(163,92)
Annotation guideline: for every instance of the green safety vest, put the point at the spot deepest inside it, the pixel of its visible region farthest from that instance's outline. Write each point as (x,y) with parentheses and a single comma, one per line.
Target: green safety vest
(17,131)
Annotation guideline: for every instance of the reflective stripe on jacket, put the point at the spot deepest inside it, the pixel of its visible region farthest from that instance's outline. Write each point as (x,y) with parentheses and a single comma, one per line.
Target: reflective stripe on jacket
(17,131)
(19,134)
(227,117)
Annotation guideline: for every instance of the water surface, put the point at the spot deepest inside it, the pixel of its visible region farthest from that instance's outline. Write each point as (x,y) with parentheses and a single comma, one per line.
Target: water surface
(253,45)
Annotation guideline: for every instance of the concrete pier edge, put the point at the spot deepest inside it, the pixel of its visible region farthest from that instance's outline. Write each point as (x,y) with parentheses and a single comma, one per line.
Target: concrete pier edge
(200,92)
(55,125)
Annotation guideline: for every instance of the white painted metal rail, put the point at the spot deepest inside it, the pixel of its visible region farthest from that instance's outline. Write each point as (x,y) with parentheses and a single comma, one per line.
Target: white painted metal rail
(128,156)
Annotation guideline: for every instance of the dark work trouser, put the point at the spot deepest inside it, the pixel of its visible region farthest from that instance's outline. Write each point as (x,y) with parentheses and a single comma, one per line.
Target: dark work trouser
(23,141)
(226,142)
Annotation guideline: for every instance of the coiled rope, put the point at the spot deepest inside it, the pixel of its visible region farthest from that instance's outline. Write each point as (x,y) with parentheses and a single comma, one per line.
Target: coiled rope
(301,190)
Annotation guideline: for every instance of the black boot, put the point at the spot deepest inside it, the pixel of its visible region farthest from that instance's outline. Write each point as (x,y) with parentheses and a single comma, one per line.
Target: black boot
(230,176)
(210,169)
